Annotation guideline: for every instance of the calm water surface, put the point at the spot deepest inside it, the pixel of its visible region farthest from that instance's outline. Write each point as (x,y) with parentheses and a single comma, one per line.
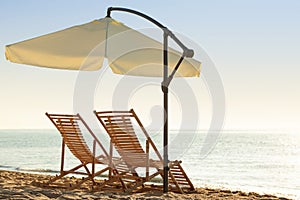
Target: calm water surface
(259,161)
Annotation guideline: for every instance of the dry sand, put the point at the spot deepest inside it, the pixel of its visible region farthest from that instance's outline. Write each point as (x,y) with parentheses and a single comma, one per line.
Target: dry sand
(16,185)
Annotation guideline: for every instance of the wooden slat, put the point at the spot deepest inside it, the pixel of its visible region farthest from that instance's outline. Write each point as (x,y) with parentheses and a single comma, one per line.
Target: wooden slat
(128,141)
(66,120)
(176,171)
(117,121)
(124,138)
(179,178)
(182,183)
(129,146)
(118,125)
(55,117)
(137,147)
(113,112)
(122,135)
(115,115)
(67,125)
(121,131)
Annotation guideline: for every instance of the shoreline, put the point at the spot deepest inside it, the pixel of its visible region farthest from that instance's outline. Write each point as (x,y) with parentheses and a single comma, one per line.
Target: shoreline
(18,185)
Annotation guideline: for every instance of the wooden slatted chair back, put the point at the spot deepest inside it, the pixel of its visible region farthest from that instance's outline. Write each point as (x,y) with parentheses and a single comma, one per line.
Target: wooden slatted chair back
(68,126)
(118,124)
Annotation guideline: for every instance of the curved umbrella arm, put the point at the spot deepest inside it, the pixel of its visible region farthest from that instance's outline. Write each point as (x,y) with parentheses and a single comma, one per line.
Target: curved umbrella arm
(189,53)
(136,13)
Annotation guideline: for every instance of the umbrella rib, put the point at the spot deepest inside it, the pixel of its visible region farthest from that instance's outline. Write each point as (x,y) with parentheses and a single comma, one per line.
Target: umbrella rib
(106,38)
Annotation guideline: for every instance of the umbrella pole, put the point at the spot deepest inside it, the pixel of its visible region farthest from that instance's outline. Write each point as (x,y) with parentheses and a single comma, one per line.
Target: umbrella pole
(165,91)
(166,79)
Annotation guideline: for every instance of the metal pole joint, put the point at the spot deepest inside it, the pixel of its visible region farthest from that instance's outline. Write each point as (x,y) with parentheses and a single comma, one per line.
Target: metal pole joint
(164,88)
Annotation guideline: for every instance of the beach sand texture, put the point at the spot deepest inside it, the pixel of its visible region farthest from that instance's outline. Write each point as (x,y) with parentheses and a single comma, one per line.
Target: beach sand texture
(17,185)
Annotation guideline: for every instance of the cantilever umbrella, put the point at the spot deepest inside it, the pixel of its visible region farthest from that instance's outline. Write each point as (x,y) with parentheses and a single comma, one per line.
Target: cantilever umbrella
(128,52)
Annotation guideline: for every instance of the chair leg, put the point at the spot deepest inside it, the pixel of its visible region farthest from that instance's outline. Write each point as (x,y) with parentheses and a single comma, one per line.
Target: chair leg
(89,178)
(93,164)
(62,156)
(64,173)
(147,159)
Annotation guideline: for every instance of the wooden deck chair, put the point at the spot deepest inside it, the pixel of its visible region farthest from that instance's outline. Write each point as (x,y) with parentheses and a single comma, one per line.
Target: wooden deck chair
(118,124)
(70,127)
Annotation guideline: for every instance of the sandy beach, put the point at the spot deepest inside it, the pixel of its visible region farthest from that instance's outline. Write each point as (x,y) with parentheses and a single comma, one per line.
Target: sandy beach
(17,185)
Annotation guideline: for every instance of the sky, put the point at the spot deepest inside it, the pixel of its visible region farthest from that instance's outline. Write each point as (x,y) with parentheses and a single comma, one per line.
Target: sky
(254,46)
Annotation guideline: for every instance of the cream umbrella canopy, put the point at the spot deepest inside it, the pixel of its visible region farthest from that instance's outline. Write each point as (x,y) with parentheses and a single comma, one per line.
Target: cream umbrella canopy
(125,49)
(128,52)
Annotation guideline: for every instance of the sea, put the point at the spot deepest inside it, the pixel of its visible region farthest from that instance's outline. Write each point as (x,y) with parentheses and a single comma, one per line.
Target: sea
(265,162)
